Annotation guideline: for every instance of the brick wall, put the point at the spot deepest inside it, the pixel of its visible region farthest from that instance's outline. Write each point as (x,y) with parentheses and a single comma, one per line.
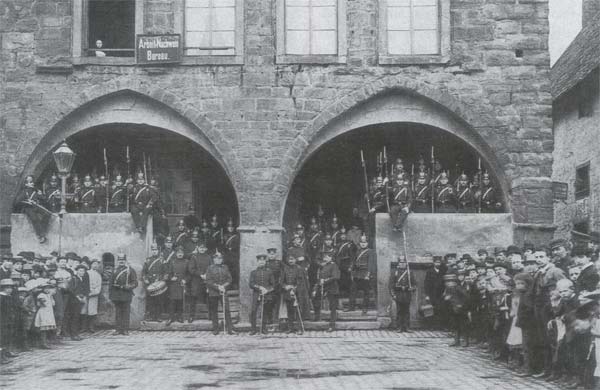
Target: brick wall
(576,144)
(263,106)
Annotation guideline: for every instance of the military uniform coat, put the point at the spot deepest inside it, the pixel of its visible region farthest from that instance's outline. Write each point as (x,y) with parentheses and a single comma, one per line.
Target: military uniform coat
(330,273)
(261,277)
(197,266)
(399,286)
(434,285)
(217,274)
(118,198)
(364,264)
(153,270)
(88,200)
(178,270)
(123,282)
(53,199)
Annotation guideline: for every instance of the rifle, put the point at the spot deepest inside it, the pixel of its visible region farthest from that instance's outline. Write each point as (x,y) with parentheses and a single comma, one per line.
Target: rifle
(387,197)
(364,166)
(412,179)
(432,180)
(128,173)
(107,180)
(145,172)
(406,259)
(479,179)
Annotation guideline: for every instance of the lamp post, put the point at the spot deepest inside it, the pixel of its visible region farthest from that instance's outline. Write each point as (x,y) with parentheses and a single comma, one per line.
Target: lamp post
(64,158)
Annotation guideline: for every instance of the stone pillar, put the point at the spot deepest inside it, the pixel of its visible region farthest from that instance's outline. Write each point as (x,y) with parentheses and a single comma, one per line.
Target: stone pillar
(254,240)
(533,210)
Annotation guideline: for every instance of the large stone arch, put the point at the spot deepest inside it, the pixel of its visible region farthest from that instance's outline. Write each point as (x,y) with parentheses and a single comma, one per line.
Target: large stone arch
(157,109)
(396,99)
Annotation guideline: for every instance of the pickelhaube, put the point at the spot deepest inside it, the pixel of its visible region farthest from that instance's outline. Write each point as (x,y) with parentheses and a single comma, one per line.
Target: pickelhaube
(169,239)
(214,218)
(343,230)
(87,177)
(313,221)
(195,233)
(363,238)
(154,245)
(334,219)
(181,222)
(299,227)
(463,177)
(328,237)
(54,178)
(230,223)
(140,175)
(486,176)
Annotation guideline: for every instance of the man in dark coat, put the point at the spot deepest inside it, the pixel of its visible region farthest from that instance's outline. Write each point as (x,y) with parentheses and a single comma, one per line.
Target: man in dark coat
(588,278)
(294,287)
(31,202)
(124,281)
(177,277)
(7,313)
(327,286)
(78,290)
(153,271)
(218,281)
(231,252)
(560,254)
(434,289)
(402,286)
(197,267)
(262,283)
(364,274)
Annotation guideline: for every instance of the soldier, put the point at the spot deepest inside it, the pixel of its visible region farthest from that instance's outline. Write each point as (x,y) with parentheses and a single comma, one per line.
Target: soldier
(191,221)
(103,193)
(489,202)
(465,197)
(301,233)
(197,267)
(321,220)
(30,201)
(160,226)
(378,197)
(182,237)
(262,283)
(334,229)
(401,198)
(118,196)
(141,203)
(444,195)
(344,255)
(328,244)
(167,255)
(153,271)
(87,197)
(231,252)
(124,281)
(314,246)
(53,194)
(205,233)
(276,266)
(327,286)
(294,288)
(177,276)
(422,194)
(298,251)
(155,190)
(73,189)
(216,234)
(218,280)
(398,167)
(402,286)
(364,268)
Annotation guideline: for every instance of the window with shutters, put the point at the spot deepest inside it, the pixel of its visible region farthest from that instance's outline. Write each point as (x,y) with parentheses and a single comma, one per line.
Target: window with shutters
(414,31)
(311,31)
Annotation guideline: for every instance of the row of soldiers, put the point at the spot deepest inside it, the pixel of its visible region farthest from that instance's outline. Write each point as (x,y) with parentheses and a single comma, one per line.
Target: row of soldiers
(430,191)
(535,307)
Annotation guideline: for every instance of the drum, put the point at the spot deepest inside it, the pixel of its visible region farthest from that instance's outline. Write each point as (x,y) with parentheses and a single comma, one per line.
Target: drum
(157,288)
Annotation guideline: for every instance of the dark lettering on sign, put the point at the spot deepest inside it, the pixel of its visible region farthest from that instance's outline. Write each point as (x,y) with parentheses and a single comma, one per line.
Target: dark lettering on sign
(560,190)
(158,49)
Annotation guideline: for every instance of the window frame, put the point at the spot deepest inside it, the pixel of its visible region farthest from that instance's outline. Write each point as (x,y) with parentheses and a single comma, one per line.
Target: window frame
(443,56)
(342,47)
(211,59)
(79,35)
(585,192)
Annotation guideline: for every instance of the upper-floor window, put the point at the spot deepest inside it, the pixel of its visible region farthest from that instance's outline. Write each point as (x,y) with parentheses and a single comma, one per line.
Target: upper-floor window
(414,31)
(210,27)
(311,30)
(582,181)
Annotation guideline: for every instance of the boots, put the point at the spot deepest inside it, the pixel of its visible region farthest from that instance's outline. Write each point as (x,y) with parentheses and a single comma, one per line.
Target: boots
(44,340)
(91,325)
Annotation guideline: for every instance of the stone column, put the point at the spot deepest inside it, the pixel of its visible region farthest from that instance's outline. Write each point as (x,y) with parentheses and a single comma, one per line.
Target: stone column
(254,240)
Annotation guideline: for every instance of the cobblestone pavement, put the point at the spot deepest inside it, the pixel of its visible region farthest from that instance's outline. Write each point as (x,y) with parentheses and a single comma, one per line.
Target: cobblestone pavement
(317,360)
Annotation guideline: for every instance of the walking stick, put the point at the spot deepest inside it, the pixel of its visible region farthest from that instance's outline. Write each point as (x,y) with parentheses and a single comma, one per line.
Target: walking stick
(224,315)
(183,300)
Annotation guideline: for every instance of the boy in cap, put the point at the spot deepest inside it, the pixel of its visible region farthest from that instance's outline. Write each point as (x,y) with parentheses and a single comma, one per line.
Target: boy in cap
(456,297)
(124,281)
(327,285)
(262,284)
(218,280)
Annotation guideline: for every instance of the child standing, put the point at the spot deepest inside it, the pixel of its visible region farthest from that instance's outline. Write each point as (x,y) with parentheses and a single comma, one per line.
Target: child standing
(44,319)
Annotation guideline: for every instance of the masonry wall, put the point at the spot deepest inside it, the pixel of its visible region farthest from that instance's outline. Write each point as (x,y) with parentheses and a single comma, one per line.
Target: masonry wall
(577,141)
(262,106)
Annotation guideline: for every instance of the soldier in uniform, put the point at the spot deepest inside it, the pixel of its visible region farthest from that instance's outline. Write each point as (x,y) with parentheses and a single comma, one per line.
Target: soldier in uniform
(401,198)
(205,233)
(275,264)
(153,271)
(177,276)
(124,281)
(328,287)
(53,194)
(231,252)
(465,197)
(118,196)
(345,253)
(398,166)
(298,251)
(364,269)
(73,189)
(489,201)
(218,280)
(141,203)
(378,197)
(197,267)
(334,229)
(262,283)
(216,234)
(328,245)
(102,193)
(160,225)
(302,234)
(182,237)
(402,287)
(30,202)
(444,195)
(422,194)
(87,197)
(314,246)
(167,255)
(191,221)
(294,289)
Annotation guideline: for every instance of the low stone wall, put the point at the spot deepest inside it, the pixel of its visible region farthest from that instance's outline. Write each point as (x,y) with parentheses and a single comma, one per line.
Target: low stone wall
(438,234)
(90,235)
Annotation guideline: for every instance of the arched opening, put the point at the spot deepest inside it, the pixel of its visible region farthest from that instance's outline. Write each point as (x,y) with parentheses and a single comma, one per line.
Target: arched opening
(331,181)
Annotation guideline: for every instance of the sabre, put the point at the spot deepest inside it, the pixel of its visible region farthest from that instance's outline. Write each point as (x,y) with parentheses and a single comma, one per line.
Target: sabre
(364,166)
(224,315)
(262,310)
(299,312)
(145,172)
(107,179)
(183,300)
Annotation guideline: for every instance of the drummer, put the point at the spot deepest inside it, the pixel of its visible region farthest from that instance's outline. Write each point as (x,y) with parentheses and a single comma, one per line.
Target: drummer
(154,275)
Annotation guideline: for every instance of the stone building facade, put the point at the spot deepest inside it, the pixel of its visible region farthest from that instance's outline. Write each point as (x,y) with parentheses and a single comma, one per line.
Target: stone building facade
(576,112)
(261,113)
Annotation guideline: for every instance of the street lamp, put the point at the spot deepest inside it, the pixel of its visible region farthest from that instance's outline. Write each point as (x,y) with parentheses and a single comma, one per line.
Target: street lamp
(64,158)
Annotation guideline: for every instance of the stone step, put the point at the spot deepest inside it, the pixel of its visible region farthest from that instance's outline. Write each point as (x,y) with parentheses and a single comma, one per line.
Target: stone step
(205,325)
